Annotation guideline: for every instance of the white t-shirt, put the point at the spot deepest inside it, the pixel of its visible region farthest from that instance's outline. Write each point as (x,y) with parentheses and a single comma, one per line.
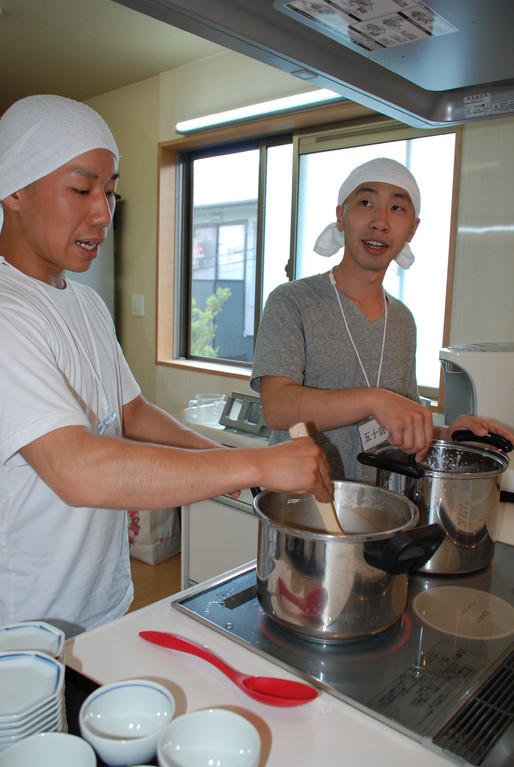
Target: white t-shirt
(60,365)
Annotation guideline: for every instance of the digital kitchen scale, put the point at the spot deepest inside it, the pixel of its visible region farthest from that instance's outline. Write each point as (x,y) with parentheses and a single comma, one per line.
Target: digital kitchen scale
(243,413)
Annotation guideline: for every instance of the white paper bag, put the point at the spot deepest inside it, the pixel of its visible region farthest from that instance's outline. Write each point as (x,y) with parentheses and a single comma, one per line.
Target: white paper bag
(154,535)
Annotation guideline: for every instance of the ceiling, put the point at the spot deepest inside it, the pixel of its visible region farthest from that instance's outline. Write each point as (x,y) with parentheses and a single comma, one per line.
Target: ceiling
(83,48)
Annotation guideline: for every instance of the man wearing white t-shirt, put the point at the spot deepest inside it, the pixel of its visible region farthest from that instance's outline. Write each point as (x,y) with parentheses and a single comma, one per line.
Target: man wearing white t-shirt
(78,442)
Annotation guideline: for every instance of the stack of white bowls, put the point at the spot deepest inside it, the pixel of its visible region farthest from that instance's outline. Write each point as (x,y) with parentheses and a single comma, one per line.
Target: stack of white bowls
(31,681)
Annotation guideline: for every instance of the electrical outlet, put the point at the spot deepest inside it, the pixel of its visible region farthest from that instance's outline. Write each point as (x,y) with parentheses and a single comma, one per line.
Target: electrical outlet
(138,306)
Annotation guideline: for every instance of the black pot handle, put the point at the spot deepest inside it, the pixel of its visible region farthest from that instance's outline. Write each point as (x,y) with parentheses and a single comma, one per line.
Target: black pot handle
(492,438)
(255,491)
(406,551)
(379,461)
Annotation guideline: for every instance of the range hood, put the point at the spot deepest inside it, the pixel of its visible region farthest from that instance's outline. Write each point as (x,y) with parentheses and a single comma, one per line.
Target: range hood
(427,64)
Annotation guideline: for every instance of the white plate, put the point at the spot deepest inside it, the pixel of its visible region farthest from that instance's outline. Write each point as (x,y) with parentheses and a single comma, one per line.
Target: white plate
(47,709)
(54,725)
(32,635)
(28,681)
(50,727)
(21,723)
(35,724)
(55,722)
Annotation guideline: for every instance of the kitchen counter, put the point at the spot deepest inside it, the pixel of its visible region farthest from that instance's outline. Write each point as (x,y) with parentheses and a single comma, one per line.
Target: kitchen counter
(326,731)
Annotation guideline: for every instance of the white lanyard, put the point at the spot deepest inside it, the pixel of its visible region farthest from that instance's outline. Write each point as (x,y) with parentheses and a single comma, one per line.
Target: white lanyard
(333,283)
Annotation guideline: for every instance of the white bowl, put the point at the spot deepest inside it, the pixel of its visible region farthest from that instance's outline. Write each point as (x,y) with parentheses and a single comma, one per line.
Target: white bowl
(58,749)
(123,720)
(32,635)
(210,737)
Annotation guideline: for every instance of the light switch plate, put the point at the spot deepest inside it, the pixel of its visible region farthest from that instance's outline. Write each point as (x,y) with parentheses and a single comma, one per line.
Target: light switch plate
(138,305)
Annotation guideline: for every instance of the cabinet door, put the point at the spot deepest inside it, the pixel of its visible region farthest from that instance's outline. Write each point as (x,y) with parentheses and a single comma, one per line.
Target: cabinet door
(220,538)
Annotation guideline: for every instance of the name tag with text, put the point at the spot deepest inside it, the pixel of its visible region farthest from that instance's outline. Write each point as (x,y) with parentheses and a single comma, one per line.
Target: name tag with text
(372,434)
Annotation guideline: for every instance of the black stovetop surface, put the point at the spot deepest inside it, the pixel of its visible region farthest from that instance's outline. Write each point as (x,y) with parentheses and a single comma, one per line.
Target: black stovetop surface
(413,676)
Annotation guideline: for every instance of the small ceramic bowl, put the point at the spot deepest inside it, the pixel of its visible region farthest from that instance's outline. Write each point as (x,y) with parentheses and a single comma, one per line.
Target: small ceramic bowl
(209,737)
(58,749)
(124,720)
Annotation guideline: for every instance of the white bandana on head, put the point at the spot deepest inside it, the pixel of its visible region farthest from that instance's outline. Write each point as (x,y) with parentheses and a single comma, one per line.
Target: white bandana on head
(39,134)
(387,171)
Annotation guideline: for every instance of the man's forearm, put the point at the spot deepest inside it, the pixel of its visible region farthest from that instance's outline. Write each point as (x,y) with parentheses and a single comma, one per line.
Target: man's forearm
(145,422)
(102,472)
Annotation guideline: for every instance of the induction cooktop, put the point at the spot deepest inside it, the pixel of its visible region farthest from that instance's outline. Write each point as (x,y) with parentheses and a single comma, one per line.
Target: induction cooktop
(443,674)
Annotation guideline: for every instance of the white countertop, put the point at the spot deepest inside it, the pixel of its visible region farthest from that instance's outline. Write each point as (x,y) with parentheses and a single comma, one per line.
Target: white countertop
(227,436)
(326,731)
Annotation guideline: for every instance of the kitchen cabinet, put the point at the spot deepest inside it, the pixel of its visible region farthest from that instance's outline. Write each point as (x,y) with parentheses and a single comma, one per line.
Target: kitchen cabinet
(217,535)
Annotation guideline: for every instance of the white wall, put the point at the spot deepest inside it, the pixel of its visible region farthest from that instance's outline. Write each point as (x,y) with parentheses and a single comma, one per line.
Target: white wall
(483,309)
(133,114)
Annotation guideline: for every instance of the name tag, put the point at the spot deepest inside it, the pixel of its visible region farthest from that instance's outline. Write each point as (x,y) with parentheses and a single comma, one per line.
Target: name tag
(372,434)
(109,426)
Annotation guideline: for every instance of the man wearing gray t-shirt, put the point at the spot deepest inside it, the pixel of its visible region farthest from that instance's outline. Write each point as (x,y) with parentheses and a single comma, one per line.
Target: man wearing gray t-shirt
(338,353)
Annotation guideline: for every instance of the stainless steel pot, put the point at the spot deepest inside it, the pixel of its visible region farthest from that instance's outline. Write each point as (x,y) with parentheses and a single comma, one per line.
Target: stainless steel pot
(457,486)
(338,588)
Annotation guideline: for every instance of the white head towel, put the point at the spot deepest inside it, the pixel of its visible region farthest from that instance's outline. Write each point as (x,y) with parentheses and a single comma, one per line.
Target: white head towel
(39,134)
(382,169)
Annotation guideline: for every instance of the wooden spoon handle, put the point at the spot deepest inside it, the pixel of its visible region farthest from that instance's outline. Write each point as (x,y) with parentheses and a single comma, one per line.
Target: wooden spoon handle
(326,511)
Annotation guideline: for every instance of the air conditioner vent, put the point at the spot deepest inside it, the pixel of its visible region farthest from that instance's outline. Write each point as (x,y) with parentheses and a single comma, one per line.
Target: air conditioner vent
(477,726)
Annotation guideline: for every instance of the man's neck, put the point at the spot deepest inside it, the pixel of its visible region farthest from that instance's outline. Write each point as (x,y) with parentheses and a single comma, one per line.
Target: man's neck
(26,266)
(362,287)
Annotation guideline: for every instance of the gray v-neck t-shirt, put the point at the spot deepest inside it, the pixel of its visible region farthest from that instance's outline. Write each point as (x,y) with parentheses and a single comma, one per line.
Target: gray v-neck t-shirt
(302,336)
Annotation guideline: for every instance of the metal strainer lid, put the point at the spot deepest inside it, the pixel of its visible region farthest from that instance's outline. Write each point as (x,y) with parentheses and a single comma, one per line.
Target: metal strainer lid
(450,459)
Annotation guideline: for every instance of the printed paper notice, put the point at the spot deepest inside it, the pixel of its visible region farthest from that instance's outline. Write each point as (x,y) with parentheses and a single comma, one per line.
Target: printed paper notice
(371,24)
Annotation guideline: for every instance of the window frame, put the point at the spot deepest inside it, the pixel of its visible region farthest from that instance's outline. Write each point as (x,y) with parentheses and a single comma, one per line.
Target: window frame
(170,219)
(172,280)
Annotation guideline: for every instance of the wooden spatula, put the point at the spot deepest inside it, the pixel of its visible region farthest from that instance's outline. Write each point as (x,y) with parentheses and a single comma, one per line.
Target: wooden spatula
(327,511)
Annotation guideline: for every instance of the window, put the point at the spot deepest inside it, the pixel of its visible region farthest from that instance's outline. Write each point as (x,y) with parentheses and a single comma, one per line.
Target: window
(224,248)
(224,304)
(253,211)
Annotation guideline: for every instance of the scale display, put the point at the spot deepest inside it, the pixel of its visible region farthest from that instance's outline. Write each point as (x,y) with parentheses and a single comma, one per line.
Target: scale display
(243,413)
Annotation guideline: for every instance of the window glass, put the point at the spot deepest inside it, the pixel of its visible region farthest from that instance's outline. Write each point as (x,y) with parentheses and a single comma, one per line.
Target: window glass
(224,291)
(223,252)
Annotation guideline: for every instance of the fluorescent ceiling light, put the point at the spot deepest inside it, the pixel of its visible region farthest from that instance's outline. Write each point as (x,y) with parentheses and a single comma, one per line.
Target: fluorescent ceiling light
(300,101)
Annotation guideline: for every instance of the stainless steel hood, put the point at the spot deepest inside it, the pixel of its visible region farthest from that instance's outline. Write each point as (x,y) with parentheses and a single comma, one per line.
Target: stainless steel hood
(434,63)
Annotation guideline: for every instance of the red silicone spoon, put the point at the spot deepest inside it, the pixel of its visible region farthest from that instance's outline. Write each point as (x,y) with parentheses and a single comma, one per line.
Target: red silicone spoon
(266,689)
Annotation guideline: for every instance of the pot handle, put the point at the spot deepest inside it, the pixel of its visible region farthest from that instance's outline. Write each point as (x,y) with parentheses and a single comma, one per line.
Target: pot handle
(493,439)
(255,491)
(379,461)
(406,551)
